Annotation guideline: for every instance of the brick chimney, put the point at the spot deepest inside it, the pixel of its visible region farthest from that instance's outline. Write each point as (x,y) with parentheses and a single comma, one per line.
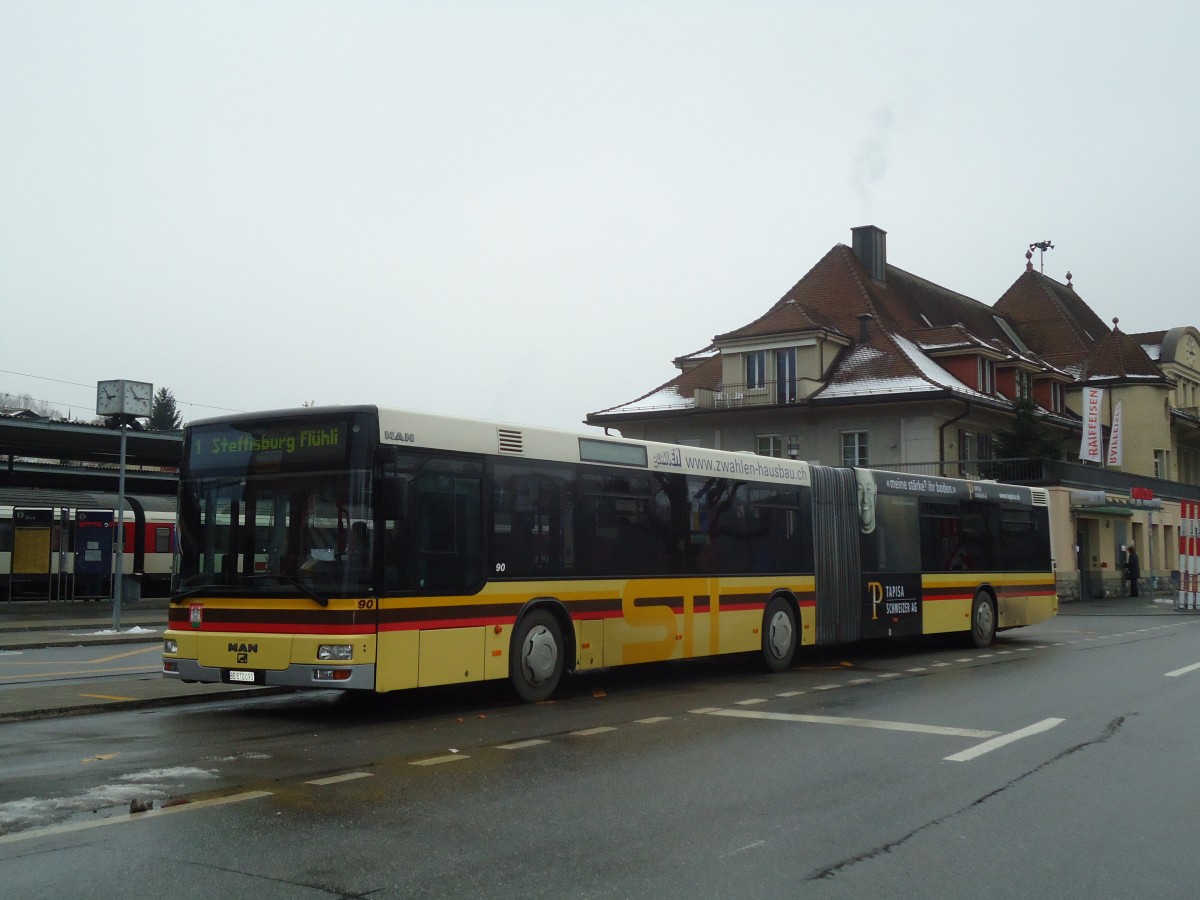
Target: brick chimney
(870,246)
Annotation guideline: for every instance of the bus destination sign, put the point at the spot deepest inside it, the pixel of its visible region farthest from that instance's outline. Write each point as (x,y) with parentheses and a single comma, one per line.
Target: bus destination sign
(225,446)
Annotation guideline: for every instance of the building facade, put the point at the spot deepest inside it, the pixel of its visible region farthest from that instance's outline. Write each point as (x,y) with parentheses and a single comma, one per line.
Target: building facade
(862,363)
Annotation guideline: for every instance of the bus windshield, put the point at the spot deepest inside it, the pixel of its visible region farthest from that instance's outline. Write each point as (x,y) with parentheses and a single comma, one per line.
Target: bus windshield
(259,520)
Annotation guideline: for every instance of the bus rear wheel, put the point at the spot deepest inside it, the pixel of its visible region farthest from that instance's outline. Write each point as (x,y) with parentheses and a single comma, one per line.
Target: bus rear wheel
(983,620)
(778,635)
(535,664)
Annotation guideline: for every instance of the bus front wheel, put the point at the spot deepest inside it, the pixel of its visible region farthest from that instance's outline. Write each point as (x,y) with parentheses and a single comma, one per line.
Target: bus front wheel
(778,635)
(536,662)
(983,620)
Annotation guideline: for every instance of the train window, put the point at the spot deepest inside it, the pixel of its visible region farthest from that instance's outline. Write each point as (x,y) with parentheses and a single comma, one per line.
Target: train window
(162,539)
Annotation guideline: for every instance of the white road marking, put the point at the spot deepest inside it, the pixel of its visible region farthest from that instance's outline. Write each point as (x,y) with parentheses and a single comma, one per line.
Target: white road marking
(653,720)
(1183,671)
(752,702)
(790,694)
(521,745)
(131,817)
(588,732)
(827,687)
(438,760)
(880,724)
(337,779)
(995,743)
(742,849)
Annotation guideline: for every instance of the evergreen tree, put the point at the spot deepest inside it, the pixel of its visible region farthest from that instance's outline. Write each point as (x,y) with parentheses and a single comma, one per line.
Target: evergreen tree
(1029,438)
(163,414)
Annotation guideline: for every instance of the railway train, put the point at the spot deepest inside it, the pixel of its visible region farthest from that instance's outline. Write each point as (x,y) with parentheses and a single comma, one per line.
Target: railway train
(60,544)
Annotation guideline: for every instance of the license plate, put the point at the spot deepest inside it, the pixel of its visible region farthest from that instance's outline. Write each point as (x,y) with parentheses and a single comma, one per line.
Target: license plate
(247,677)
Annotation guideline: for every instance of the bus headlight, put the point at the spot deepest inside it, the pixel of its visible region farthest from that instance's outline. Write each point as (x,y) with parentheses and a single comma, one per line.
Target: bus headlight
(335,651)
(170,645)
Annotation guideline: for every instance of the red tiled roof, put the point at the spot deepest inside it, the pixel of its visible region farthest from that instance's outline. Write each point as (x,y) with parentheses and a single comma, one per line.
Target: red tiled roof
(806,306)
(670,394)
(1052,319)
(1119,355)
(910,319)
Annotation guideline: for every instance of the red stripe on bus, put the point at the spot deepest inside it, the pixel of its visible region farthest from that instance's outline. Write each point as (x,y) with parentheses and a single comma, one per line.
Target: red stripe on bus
(279,628)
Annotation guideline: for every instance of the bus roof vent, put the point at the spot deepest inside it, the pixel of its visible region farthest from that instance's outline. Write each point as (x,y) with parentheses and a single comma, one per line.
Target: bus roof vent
(510,441)
(1041,496)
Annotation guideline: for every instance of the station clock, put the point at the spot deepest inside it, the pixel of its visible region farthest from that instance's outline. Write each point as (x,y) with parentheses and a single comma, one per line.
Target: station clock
(124,398)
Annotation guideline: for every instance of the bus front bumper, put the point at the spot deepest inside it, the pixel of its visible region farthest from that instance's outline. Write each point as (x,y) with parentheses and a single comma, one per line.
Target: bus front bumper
(298,675)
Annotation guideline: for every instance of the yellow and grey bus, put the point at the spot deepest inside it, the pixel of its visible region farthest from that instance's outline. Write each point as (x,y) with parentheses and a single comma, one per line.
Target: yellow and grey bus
(377,549)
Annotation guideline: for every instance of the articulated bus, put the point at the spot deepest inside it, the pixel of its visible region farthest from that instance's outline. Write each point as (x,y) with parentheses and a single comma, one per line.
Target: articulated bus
(375,549)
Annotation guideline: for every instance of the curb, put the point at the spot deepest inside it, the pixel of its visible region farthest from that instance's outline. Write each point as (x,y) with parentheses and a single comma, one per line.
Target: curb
(83,709)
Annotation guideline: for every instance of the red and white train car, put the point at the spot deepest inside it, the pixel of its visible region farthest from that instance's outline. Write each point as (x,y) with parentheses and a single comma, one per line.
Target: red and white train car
(57,544)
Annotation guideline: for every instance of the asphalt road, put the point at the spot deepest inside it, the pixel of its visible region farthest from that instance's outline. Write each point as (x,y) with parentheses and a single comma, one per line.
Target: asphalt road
(66,658)
(1054,763)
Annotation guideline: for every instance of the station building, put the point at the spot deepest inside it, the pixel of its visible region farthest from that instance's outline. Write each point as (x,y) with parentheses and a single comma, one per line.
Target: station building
(862,363)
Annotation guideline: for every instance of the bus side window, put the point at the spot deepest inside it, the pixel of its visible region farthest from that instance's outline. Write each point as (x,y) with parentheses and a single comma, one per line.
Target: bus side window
(449,542)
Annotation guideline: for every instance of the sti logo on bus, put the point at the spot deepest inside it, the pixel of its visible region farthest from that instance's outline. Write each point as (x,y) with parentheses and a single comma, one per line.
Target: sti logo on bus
(196,615)
(404,437)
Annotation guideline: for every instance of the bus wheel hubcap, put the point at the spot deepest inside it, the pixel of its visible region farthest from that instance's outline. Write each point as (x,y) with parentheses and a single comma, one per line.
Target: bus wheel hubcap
(781,634)
(983,620)
(541,654)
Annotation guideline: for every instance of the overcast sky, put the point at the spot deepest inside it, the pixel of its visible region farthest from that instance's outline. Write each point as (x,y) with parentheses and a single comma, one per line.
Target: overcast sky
(526,210)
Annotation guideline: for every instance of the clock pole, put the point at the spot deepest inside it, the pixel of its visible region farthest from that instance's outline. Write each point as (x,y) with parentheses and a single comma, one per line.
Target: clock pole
(125,401)
(120,554)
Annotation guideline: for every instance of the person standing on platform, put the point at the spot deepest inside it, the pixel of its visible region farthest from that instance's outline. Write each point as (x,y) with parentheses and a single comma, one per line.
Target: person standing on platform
(1133,571)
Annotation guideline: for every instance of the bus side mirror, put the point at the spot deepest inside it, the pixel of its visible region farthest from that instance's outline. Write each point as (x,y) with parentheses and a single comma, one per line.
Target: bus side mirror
(393,497)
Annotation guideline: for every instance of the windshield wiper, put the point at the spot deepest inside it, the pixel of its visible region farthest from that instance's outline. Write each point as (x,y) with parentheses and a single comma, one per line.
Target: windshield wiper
(296,583)
(232,588)
(191,592)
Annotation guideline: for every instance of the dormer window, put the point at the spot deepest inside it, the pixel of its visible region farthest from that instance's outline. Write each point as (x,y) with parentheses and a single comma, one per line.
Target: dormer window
(987,376)
(1024,385)
(756,369)
(1058,396)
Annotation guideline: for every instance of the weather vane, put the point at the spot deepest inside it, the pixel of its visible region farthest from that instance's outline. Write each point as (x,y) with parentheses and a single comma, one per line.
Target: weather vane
(1041,247)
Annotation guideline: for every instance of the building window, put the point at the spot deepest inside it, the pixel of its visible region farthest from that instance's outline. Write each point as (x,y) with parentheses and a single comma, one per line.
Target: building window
(1160,464)
(769,445)
(1058,396)
(987,376)
(756,364)
(1024,385)
(966,446)
(854,448)
(972,448)
(785,375)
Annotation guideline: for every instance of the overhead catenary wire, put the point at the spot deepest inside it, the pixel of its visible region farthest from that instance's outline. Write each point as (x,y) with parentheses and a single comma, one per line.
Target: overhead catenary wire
(92,387)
